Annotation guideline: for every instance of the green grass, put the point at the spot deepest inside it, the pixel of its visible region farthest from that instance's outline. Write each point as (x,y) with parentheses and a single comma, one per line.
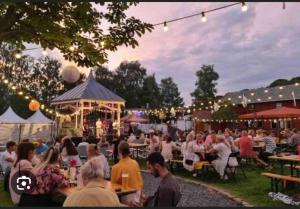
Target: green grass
(5,200)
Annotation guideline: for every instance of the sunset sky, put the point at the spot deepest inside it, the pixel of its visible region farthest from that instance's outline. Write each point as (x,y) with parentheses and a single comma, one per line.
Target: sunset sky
(248,49)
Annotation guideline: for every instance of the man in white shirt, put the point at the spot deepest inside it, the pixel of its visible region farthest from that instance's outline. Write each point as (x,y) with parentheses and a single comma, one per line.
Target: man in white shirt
(9,156)
(82,149)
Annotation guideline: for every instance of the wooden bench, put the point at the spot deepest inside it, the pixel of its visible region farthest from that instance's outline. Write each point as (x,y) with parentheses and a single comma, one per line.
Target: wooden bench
(276,178)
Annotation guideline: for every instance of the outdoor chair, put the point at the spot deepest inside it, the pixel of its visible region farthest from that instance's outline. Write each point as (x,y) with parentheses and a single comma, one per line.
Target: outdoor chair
(231,171)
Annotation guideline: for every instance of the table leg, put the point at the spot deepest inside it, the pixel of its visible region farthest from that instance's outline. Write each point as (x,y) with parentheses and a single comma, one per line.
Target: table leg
(292,168)
(281,167)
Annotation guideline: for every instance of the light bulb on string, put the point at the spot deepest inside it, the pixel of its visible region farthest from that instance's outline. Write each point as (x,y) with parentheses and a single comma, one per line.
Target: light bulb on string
(71,48)
(203,17)
(165,27)
(27,97)
(244,7)
(102,43)
(44,52)
(18,55)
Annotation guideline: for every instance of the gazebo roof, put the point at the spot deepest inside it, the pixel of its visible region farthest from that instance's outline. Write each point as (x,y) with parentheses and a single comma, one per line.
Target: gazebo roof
(90,89)
(282,112)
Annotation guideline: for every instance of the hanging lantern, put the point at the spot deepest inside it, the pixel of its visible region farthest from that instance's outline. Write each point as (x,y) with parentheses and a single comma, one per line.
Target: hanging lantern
(34,105)
(70,74)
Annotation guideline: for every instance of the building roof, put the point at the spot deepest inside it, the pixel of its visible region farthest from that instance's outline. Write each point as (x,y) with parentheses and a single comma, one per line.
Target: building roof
(261,95)
(10,117)
(90,89)
(282,112)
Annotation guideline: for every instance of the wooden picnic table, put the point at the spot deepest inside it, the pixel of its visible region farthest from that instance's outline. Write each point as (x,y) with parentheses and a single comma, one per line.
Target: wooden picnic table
(137,146)
(291,159)
(117,188)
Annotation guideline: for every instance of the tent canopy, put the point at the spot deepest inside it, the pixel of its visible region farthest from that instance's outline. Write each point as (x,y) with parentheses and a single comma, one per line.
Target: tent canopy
(40,118)
(132,118)
(10,117)
(282,112)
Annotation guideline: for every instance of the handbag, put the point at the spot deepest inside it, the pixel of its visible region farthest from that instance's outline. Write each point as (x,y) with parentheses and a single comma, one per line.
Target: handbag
(189,162)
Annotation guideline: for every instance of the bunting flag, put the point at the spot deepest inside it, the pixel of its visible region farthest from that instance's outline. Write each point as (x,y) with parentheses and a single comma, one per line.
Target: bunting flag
(244,101)
(294,98)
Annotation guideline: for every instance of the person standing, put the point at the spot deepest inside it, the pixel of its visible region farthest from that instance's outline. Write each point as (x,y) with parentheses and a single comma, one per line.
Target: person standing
(92,151)
(128,166)
(168,193)
(98,128)
(7,159)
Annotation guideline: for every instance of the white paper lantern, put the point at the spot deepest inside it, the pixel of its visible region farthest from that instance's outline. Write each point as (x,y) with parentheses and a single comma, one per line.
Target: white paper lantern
(70,74)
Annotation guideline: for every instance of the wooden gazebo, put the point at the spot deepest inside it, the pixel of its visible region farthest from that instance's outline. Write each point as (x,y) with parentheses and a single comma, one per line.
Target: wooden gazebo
(87,97)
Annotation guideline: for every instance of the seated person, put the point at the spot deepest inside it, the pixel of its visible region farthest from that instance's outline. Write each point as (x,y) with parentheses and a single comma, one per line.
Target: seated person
(167,148)
(223,152)
(131,138)
(103,146)
(295,138)
(245,145)
(48,178)
(25,153)
(82,148)
(270,146)
(153,142)
(92,152)
(69,153)
(41,148)
(93,193)
(126,165)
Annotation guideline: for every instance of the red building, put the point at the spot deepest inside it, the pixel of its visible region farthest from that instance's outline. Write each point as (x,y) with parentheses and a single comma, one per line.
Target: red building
(256,100)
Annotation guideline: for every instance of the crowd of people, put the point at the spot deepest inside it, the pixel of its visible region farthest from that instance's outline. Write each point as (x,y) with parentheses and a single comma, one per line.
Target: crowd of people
(46,164)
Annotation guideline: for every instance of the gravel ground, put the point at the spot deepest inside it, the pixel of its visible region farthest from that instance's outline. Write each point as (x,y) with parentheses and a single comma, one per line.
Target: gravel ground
(193,195)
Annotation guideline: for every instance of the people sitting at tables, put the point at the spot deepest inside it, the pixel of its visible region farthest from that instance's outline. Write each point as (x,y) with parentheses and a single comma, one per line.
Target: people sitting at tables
(47,179)
(69,153)
(131,138)
(259,135)
(41,148)
(129,167)
(168,193)
(94,192)
(251,134)
(153,142)
(167,148)
(245,145)
(141,139)
(58,143)
(6,162)
(270,146)
(25,153)
(223,152)
(92,151)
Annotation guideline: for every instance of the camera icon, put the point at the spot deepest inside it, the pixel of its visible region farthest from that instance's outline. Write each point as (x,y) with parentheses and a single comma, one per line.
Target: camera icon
(23,183)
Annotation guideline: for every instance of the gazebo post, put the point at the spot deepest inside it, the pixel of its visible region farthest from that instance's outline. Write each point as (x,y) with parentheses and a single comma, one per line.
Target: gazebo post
(81,114)
(76,119)
(118,120)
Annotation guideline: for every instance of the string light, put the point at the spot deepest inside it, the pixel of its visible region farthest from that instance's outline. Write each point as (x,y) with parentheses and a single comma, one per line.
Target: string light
(44,52)
(244,7)
(26,97)
(18,55)
(71,48)
(165,27)
(102,43)
(203,17)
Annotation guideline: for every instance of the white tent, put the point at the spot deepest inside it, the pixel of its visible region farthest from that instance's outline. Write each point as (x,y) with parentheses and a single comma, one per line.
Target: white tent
(40,118)
(10,117)
(13,127)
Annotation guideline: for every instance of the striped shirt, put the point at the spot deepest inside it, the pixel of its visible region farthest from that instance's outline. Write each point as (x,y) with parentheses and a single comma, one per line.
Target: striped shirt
(270,144)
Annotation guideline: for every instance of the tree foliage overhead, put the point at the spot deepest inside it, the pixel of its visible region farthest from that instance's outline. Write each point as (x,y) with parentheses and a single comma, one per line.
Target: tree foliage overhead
(170,94)
(64,24)
(39,79)
(206,83)
(151,93)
